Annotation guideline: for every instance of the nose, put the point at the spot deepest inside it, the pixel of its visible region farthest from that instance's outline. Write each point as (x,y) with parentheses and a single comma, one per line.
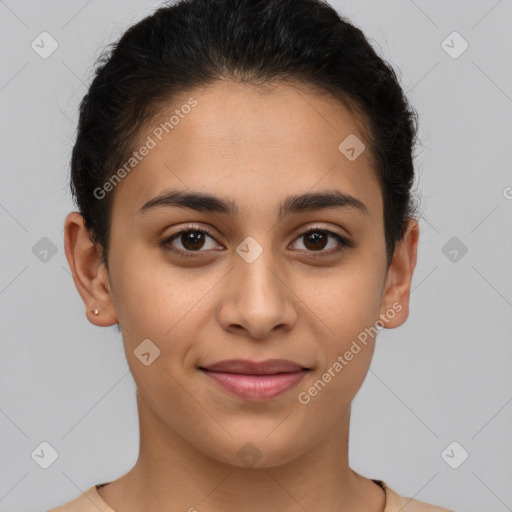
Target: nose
(257,299)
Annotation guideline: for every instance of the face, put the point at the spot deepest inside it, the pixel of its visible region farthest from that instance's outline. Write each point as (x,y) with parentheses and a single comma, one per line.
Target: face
(252,275)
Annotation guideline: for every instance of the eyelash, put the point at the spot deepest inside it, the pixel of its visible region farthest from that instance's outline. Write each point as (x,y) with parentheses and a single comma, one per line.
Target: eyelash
(165,243)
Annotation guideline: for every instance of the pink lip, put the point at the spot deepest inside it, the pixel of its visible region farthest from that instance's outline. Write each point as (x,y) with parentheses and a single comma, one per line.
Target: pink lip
(256,380)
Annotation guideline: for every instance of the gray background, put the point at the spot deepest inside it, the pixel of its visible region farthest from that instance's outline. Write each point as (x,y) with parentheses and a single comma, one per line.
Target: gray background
(444,376)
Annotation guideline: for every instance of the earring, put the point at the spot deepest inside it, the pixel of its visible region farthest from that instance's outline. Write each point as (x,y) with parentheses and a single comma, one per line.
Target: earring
(95,312)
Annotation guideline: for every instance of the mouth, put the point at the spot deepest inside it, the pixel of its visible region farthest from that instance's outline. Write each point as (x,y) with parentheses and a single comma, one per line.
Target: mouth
(253,380)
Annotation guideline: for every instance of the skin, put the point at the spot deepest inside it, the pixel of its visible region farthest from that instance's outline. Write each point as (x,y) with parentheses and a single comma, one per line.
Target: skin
(253,146)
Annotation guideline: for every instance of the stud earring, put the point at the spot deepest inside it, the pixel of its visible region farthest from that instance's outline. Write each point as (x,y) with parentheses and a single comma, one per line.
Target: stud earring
(95,312)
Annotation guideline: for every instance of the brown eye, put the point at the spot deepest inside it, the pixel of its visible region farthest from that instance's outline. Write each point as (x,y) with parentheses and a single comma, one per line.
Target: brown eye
(316,240)
(192,241)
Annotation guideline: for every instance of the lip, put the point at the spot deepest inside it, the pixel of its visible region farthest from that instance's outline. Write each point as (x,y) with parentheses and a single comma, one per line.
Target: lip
(248,367)
(254,380)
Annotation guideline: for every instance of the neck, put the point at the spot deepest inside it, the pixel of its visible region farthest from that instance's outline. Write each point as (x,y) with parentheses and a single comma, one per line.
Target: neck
(171,474)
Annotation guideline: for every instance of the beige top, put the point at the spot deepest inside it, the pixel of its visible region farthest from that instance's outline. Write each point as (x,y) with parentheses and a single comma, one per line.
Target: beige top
(91,501)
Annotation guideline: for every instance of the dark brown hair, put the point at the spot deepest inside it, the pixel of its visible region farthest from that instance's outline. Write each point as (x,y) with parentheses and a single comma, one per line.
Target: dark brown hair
(195,42)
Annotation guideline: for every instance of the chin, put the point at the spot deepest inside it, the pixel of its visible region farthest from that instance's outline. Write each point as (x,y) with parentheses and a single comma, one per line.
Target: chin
(258,450)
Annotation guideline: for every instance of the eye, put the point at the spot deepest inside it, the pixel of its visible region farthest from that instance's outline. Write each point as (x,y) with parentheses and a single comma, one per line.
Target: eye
(191,239)
(316,239)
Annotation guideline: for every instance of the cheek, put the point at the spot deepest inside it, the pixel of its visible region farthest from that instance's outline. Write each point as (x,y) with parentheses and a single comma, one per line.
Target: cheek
(344,349)
(345,301)
(157,301)
(346,309)
(150,295)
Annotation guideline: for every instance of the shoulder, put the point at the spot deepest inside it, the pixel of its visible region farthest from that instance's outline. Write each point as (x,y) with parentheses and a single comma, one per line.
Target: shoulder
(396,503)
(88,501)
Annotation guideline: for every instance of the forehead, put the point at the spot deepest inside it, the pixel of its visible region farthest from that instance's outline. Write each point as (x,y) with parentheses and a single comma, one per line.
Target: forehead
(252,143)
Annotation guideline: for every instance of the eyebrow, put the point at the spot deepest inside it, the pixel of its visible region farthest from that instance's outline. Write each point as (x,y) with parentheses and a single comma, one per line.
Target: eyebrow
(293,204)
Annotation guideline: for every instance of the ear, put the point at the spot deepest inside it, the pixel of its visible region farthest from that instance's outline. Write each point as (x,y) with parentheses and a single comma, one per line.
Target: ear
(395,299)
(89,273)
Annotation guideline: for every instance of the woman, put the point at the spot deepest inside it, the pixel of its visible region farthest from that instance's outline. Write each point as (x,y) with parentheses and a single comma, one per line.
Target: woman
(242,172)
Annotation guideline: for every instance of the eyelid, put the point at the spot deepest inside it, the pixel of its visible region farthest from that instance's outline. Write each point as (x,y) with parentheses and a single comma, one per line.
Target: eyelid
(342,239)
(345,242)
(165,243)
(327,229)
